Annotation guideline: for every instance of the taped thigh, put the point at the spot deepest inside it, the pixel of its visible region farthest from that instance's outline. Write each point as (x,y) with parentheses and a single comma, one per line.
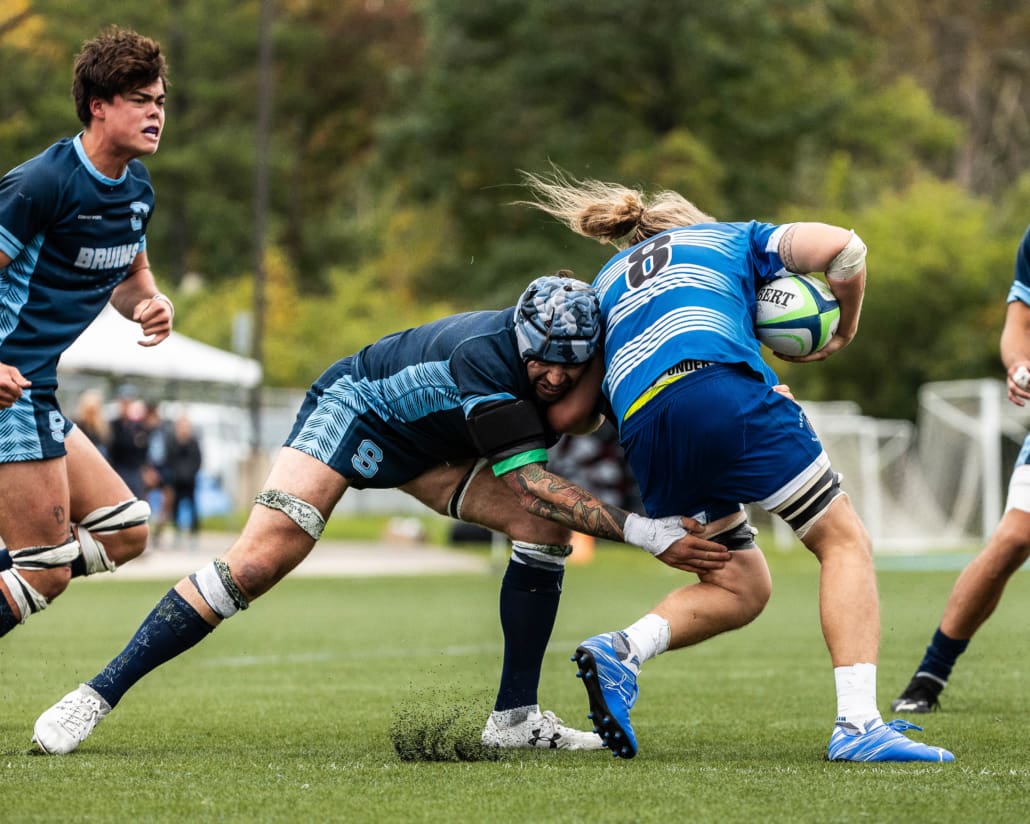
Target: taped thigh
(738,534)
(809,500)
(458,498)
(303,514)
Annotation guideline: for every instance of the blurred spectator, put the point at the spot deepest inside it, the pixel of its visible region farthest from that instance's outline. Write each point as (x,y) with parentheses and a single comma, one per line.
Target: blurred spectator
(89,417)
(183,460)
(127,446)
(156,480)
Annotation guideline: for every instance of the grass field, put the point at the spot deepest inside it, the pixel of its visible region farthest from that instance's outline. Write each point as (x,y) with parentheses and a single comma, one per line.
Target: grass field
(285,713)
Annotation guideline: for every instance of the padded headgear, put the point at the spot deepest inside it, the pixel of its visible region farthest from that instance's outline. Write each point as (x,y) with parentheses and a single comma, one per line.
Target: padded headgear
(558,320)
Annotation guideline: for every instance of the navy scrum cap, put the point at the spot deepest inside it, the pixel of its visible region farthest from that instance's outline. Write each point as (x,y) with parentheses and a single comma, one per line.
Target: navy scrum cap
(558,319)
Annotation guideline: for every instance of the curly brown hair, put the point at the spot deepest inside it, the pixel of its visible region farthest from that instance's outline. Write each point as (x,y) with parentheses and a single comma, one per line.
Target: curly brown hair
(115,62)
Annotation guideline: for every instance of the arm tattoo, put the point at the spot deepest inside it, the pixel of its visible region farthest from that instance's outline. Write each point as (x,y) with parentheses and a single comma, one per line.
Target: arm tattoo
(58,514)
(787,252)
(551,496)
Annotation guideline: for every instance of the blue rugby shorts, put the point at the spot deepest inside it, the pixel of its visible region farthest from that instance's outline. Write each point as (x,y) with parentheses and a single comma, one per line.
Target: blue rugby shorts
(715,439)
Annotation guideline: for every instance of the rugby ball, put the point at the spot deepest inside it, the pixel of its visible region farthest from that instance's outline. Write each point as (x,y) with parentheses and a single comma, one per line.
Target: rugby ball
(796,315)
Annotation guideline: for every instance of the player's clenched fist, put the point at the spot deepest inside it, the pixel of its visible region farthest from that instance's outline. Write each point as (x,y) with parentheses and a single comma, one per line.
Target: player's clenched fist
(11,385)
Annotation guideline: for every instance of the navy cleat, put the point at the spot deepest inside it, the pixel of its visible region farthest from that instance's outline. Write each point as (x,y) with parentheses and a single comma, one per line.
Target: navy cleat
(611,690)
(883,743)
(921,695)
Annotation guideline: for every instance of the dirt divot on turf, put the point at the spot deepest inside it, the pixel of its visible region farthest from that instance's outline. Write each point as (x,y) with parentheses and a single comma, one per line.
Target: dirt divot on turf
(431,726)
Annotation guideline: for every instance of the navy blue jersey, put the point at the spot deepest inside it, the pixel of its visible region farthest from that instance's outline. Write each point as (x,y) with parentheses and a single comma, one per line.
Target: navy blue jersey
(684,293)
(71,234)
(409,402)
(1021,283)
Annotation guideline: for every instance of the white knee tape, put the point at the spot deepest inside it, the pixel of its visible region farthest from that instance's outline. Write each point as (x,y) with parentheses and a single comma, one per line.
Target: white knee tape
(94,554)
(45,557)
(26,597)
(211,586)
(108,519)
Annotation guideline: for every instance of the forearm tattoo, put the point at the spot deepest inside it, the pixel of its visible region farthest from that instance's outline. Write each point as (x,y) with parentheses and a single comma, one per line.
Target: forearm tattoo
(787,250)
(551,496)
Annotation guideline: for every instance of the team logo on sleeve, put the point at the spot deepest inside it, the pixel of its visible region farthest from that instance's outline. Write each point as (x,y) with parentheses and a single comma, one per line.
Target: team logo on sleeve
(139,212)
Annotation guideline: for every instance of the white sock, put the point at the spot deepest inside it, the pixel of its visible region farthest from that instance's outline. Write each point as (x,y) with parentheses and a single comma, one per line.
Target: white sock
(647,638)
(856,697)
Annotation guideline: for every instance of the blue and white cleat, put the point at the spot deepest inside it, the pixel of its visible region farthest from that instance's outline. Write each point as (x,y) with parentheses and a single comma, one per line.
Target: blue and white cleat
(611,689)
(883,743)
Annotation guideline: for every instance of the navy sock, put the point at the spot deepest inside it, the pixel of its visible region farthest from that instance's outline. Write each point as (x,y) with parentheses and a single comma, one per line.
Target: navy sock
(6,561)
(941,655)
(8,621)
(78,567)
(172,627)
(529,604)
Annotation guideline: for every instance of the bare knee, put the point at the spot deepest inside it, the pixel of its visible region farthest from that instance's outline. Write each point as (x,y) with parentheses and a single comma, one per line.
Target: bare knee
(48,582)
(839,534)
(1009,546)
(256,572)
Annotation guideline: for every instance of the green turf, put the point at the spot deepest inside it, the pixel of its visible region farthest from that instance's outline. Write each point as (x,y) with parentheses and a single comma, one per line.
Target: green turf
(286,713)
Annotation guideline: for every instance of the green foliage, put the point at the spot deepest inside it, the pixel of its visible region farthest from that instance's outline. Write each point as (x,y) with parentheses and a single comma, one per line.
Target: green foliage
(303,337)
(399,129)
(939,271)
(285,712)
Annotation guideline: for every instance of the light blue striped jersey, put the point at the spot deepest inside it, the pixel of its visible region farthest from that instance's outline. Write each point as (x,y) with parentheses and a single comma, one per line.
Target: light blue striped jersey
(72,234)
(685,293)
(433,376)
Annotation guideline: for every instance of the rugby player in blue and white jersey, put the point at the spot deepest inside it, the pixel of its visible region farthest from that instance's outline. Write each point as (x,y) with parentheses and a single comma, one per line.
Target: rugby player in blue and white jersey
(705,431)
(979,588)
(73,238)
(458,413)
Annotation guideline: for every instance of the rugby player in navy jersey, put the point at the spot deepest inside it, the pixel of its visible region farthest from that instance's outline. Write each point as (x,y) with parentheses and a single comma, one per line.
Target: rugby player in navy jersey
(705,431)
(979,588)
(459,413)
(73,226)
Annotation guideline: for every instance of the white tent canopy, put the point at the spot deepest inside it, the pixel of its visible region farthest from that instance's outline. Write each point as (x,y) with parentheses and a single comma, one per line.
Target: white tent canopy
(109,346)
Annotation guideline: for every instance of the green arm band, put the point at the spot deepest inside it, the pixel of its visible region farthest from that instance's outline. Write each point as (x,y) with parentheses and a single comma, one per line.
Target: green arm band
(523,458)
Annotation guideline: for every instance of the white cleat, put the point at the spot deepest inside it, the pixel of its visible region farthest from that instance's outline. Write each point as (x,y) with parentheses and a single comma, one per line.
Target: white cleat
(537,729)
(69,722)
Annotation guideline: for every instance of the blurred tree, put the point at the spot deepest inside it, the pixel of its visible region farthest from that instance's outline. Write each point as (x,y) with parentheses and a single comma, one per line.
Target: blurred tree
(744,105)
(939,271)
(974,61)
(401,127)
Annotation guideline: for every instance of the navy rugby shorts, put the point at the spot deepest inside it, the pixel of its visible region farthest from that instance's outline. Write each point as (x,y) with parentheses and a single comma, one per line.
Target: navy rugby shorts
(338,426)
(33,428)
